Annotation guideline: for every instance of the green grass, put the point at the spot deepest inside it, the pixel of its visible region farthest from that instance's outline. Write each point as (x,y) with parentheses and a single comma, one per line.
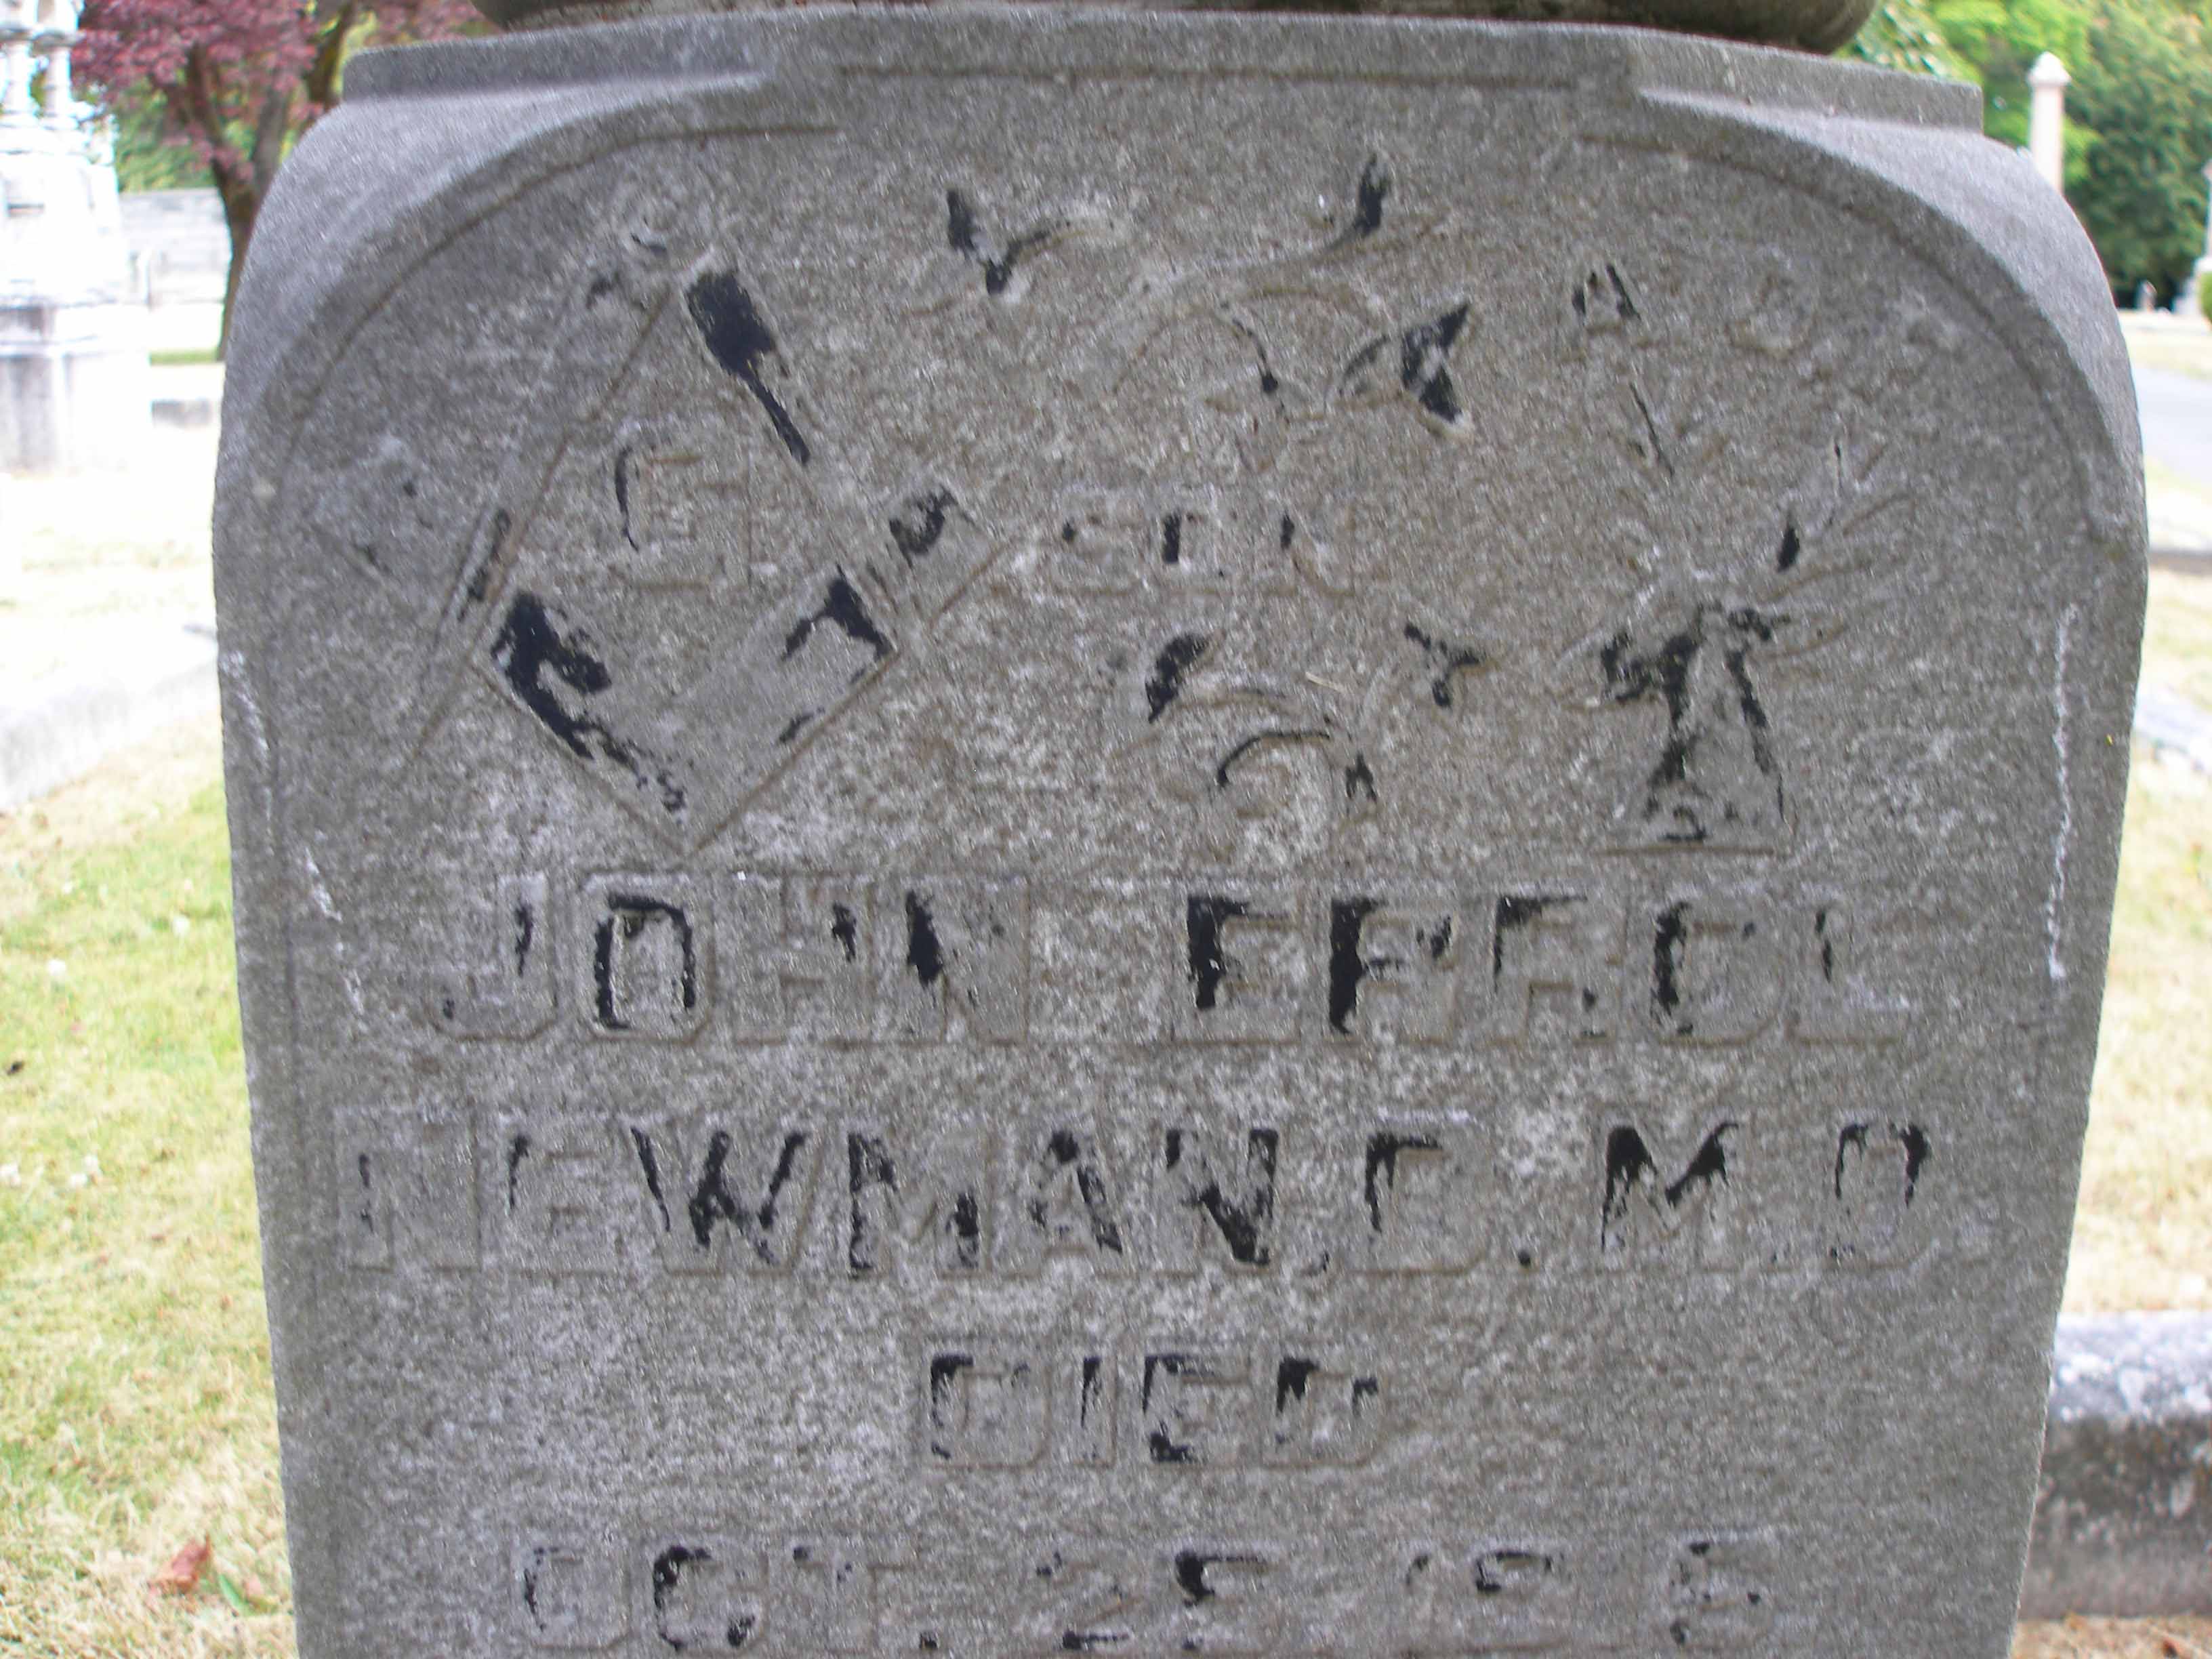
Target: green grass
(2178,635)
(135,1410)
(2143,1234)
(183,358)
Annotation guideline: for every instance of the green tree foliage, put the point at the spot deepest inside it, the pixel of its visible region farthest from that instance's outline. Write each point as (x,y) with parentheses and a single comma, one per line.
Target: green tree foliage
(146,156)
(2145,89)
(2138,115)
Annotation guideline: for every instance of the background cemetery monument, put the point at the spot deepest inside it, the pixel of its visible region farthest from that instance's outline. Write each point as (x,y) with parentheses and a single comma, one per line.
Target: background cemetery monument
(1106,831)
(73,387)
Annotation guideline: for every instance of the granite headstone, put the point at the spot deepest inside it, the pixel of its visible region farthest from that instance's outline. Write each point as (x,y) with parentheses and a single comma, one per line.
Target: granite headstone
(1085,832)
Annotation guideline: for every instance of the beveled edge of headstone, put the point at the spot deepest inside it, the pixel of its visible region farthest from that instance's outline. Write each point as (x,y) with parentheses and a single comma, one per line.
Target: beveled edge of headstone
(985,36)
(1819,26)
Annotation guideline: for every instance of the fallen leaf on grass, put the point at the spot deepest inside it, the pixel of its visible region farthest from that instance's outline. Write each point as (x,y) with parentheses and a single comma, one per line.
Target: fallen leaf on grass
(231,1594)
(182,1576)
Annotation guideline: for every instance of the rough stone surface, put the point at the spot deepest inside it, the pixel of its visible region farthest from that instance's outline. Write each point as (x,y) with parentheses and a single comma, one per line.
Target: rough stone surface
(1067,832)
(2124,1517)
(1812,25)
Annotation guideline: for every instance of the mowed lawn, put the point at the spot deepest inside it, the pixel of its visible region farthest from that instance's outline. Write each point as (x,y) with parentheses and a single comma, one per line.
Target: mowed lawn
(134,1405)
(136,1418)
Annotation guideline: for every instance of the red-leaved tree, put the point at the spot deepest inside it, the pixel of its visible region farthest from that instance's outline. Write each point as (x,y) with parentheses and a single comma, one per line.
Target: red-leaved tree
(240,80)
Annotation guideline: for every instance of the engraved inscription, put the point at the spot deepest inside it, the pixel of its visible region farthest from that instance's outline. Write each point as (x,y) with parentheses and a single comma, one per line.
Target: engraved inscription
(1673,1190)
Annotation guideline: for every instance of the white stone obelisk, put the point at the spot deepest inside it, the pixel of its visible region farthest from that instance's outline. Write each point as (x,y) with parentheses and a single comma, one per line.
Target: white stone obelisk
(2046,120)
(2187,303)
(73,366)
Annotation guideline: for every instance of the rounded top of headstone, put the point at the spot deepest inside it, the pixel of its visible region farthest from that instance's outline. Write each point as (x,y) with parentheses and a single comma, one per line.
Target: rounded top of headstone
(1810,25)
(2048,72)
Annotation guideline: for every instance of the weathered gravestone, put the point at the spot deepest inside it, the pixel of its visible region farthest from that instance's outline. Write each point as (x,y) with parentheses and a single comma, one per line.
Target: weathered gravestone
(1097,833)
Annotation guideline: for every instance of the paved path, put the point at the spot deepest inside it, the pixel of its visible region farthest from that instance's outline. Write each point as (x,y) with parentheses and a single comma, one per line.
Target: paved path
(2177,422)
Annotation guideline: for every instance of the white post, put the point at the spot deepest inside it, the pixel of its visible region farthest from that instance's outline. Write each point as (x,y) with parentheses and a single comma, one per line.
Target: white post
(2207,255)
(2046,120)
(18,22)
(61,110)
(2189,302)
(56,40)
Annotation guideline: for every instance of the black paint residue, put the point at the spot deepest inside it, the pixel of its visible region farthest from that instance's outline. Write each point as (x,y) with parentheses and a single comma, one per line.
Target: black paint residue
(1652,431)
(1091,1400)
(1382,1153)
(1271,383)
(963,234)
(945,1372)
(1515,912)
(1489,1564)
(845,928)
(633,912)
(924,953)
(538,1558)
(1917,1154)
(842,609)
(1602,285)
(1064,1149)
(532,641)
(920,523)
(621,492)
(1171,539)
(1161,1446)
(1190,1570)
(731,325)
(517,1150)
(1374,190)
(1671,938)
(1447,659)
(1423,369)
(1176,660)
(1628,1165)
(667,1572)
(711,1201)
(1360,778)
(1244,1226)
(490,563)
(867,1164)
(649,1162)
(526,932)
(1292,1376)
(1910,1136)
(1347,966)
(1204,917)
(1304,734)
(1438,939)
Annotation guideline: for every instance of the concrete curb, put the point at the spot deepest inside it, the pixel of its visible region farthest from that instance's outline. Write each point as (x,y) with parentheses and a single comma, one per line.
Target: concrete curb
(188,394)
(59,727)
(2123,1515)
